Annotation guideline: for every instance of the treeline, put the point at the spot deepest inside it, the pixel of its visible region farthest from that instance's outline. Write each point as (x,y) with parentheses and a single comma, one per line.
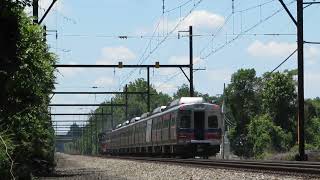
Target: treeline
(86,137)
(264,114)
(27,79)
(260,114)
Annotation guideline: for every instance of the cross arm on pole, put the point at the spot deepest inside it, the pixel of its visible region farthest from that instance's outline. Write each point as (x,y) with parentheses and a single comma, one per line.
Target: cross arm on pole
(288,11)
(315,2)
(311,42)
(46,13)
(185,74)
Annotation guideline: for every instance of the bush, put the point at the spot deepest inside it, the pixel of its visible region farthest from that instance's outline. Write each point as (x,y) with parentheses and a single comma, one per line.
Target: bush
(267,137)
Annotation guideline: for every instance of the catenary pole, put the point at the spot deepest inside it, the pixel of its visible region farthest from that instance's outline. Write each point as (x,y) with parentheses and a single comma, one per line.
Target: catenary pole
(191,61)
(35,10)
(148,82)
(300,80)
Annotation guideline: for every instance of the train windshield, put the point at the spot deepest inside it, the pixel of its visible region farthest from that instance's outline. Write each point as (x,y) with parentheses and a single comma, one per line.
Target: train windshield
(213,121)
(185,120)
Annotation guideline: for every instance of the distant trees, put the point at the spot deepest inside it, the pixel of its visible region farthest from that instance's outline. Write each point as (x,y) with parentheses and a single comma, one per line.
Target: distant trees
(262,112)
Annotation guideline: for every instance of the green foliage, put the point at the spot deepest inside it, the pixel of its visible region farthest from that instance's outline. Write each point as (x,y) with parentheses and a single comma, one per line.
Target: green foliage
(249,99)
(184,91)
(27,81)
(312,132)
(278,99)
(6,148)
(265,136)
(243,103)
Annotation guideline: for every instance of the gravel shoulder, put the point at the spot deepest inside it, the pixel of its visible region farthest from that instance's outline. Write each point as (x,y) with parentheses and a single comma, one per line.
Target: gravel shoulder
(71,167)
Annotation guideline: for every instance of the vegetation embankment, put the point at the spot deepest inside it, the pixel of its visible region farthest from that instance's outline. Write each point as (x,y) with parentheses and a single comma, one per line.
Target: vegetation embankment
(27,79)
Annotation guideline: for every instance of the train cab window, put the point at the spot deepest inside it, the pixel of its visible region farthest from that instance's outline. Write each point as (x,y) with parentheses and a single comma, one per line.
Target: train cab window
(185,119)
(213,121)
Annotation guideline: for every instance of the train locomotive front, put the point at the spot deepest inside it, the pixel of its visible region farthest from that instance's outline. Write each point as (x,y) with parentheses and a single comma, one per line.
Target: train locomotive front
(188,127)
(199,130)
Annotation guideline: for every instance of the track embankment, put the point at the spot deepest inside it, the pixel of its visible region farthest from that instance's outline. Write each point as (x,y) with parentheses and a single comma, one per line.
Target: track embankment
(71,167)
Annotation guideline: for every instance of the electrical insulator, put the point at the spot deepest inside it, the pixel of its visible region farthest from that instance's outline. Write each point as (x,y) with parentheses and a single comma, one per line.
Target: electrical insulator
(120,65)
(157,64)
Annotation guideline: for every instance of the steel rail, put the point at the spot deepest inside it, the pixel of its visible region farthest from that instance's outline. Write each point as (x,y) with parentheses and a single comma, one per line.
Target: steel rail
(279,166)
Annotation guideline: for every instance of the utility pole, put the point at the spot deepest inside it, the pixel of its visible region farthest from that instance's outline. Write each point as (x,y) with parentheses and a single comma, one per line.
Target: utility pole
(223,119)
(102,121)
(300,80)
(126,99)
(35,6)
(300,42)
(82,140)
(96,134)
(148,82)
(111,115)
(190,78)
(191,61)
(91,123)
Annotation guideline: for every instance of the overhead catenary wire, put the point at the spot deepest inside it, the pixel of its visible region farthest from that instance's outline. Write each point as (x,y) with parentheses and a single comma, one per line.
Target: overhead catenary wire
(142,59)
(215,50)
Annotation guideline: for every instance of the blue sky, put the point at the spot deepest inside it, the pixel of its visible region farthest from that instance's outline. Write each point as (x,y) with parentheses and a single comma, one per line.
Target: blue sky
(88,30)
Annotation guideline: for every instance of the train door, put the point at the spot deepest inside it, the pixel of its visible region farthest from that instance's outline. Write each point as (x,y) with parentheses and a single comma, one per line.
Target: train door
(199,120)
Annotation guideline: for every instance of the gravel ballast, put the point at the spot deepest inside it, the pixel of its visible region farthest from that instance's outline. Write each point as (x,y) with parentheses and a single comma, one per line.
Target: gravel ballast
(86,167)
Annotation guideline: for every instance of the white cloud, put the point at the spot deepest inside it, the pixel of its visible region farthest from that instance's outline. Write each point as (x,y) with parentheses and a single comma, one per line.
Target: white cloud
(220,75)
(281,49)
(312,54)
(271,49)
(103,82)
(112,55)
(200,19)
(165,87)
(312,85)
(70,72)
(203,19)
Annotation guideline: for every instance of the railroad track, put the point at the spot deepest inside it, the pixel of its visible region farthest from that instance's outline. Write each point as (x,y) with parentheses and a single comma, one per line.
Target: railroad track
(276,166)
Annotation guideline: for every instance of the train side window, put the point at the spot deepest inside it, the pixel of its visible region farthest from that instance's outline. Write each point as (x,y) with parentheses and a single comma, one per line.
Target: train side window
(213,121)
(173,120)
(185,119)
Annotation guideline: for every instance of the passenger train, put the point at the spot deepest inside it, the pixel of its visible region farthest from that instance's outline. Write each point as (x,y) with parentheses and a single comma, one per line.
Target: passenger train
(188,127)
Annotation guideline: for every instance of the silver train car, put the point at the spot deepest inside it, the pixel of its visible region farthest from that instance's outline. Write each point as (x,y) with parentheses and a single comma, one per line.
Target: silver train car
(188,127)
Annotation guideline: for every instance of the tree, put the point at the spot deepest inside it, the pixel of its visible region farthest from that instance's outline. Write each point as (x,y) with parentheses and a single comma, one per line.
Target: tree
(184,91)
(312,123)
(244,103)
(278,99)
(27,79)
(75,131)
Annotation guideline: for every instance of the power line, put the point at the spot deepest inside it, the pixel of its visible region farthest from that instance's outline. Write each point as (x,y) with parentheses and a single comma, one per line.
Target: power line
(228,18)
(162,41)
(254,7)
(178,7)
(284,60)
(277,67)
(213,51)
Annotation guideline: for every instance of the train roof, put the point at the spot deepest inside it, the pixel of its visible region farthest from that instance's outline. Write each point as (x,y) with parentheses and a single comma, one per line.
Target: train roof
(186,100)
(159,109)
(173,106)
